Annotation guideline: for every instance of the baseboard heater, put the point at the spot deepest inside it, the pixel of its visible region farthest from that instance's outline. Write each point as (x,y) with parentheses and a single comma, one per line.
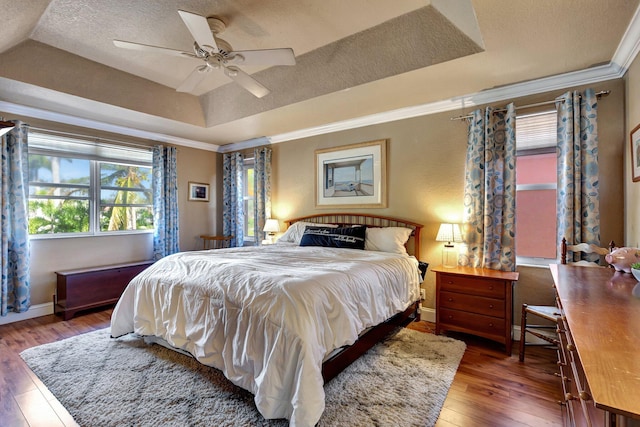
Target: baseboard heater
(93,287)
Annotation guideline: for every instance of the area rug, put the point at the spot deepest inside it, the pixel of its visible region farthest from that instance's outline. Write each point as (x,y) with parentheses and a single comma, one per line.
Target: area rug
(402,381)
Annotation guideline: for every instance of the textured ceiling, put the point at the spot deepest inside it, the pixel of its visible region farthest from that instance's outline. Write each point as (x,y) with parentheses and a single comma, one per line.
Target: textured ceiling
(354,58)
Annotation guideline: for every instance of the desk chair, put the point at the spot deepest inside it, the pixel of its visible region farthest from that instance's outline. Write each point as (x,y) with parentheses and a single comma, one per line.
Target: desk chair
(551,313)
(215,242)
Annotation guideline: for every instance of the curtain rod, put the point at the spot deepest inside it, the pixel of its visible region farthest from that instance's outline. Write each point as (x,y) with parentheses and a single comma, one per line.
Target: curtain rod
(468,116)
(92,138)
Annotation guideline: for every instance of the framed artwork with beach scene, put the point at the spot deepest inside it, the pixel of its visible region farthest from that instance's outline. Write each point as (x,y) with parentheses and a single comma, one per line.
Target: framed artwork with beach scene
(352,176)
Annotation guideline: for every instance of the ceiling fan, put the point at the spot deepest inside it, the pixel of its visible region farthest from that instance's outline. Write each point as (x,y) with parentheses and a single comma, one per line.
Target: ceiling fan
(218,54)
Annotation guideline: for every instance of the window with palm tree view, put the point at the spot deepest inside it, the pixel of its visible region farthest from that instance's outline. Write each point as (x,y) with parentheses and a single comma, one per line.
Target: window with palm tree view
(87,188)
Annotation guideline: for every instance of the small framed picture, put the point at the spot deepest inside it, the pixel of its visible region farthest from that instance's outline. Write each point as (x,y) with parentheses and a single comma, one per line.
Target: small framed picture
(635,153)
(198,192)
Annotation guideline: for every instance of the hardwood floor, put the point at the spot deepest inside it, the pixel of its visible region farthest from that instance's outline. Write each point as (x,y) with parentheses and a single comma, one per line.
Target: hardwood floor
(489,389)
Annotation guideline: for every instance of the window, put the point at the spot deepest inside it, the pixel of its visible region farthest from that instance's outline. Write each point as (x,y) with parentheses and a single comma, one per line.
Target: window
(249,201)
(80,187)
(536,184)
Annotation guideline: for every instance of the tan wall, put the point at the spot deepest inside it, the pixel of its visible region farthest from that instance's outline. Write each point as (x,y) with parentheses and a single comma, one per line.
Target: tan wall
(50,255)
(426,157)
(631,189)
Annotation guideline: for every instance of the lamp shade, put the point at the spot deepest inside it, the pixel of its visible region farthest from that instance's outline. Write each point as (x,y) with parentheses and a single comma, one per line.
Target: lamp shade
(449,233)
(271,226)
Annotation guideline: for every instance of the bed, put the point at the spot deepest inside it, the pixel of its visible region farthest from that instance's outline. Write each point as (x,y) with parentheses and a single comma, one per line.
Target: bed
(281,320)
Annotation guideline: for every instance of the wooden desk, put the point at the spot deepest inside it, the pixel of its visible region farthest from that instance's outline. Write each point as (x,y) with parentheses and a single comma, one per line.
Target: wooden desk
(603,320)
(477,301)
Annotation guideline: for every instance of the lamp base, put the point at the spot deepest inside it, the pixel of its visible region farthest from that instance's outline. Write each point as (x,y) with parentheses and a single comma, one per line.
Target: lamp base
(449,256)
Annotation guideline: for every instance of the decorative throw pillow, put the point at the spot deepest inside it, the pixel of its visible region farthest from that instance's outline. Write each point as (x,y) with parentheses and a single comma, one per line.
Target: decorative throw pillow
(387,239)
(341,237)
(295,231)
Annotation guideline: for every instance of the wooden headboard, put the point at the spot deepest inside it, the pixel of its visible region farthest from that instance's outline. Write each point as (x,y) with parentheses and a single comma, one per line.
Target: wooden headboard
(343,219)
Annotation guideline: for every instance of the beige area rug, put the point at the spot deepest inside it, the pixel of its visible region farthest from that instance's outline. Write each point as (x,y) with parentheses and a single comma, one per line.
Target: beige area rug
(101,381)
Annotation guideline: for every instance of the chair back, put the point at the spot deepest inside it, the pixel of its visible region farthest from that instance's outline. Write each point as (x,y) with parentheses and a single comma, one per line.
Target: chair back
(215,242)
(586,248)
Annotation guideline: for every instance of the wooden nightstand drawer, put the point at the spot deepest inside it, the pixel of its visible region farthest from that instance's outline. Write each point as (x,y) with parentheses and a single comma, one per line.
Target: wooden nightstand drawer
(475,301)
(474,304)
(479,324)
(472,285)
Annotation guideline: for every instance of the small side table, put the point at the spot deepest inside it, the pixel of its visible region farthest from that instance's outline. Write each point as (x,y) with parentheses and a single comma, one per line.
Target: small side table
(476,301)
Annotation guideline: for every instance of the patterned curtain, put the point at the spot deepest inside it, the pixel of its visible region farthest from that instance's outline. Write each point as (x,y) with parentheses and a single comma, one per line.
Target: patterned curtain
(490,191)
(14,230)
(233,213)
(262,190)
(165,202)
(578,200)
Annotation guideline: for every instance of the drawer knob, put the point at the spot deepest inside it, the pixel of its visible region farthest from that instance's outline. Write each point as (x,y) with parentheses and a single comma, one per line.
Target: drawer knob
(490,288)
(450,317)
(450,282)
(491,325)
(490,305)
(571,347)
(449,299)
(569,396)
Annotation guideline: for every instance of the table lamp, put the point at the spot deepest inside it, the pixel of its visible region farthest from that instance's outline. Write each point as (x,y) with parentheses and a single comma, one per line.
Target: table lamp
(449,233)
(271,227)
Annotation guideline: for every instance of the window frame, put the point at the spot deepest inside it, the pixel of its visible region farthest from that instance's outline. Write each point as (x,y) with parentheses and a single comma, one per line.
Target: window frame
(535,261)
(94,187)
(248,164)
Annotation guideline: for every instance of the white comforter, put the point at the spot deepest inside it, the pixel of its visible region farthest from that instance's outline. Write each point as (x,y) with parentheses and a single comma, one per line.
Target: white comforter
(268,316)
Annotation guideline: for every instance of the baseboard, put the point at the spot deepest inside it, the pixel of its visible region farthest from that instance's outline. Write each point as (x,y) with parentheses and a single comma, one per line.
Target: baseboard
(428,314)
(34,311)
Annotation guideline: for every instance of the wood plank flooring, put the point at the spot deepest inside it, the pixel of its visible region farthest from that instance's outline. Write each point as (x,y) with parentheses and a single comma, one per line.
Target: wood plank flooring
(489,389)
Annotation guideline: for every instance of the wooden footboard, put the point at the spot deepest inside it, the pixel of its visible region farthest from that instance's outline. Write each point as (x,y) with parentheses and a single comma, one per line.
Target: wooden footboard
(339,361)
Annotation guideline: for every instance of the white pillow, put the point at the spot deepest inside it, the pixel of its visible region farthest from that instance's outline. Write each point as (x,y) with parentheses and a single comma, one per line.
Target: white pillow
(387,239)
(296,230)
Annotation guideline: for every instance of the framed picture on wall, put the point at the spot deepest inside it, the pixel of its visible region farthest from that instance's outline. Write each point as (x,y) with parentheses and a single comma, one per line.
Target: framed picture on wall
(635,153)
(198,192)
(353,176)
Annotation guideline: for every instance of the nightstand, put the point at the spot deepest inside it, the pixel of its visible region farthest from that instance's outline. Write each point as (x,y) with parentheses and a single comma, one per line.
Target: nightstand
(476,301)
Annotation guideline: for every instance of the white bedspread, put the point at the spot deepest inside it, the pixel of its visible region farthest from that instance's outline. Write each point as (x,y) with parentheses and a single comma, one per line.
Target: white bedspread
(267,316)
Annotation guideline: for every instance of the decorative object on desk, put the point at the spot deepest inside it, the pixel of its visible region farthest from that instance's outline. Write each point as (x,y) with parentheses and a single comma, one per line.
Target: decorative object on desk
(198,192)
(5,127)
(449,233)
(114,382)
(622,258)
(271,227)
(635,153)
(352,176)
(635,270)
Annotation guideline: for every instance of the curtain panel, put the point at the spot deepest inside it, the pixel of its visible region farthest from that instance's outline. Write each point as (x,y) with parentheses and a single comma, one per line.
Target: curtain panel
(578,196)
(490,190)
(166,239)
(262,190)
(14,173)
(232,195)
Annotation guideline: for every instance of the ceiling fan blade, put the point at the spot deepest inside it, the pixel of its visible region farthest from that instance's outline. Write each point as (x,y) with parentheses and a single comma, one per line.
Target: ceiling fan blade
(246,81)
(199,29)
(153,49)
(282,56)
(194,79)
